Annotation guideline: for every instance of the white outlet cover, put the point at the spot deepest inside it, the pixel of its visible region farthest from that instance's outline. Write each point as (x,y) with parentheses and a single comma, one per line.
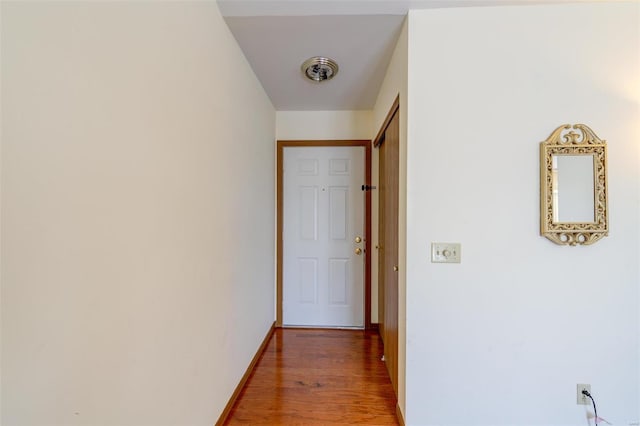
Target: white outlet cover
(580,398)
(445,252)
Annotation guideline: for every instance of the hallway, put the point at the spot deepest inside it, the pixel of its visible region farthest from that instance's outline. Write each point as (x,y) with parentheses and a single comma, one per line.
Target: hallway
(318,377)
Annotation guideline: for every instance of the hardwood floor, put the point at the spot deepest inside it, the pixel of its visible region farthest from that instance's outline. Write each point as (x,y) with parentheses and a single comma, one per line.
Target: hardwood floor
(318,377)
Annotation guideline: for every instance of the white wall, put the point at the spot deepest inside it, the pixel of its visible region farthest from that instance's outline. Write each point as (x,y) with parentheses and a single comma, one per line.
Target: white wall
(134,195)
(319,125)
(394,85)
(504,337)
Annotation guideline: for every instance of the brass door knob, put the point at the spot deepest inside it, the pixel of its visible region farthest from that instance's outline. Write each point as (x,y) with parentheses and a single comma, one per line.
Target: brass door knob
(358,251)
(358,240)
(395,268)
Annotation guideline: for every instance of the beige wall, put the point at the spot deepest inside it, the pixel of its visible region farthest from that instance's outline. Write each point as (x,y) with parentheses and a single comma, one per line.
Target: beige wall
(504,337)
(318,125)
(134,195)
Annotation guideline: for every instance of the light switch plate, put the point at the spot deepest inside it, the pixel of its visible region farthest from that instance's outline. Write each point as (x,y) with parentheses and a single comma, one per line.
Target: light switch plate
(445,252)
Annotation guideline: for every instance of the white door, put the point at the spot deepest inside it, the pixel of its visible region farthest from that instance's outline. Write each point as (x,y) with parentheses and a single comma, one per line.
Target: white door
(323,215)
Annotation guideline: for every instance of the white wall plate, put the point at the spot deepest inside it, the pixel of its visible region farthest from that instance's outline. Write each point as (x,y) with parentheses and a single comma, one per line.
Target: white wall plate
(445,252)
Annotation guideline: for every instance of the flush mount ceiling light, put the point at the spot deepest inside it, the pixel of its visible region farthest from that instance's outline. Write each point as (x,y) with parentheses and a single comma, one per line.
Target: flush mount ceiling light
(319,68)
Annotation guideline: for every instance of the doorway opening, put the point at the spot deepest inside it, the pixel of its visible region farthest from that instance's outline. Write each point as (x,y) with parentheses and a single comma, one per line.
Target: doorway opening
(313,193)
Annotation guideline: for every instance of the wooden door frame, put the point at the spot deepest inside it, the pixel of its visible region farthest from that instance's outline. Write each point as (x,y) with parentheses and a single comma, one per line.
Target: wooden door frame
(379,142)
(380,136)
(281,145)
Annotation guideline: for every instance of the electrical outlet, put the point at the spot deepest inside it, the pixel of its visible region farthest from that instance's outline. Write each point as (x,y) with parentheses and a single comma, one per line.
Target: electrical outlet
(581,398)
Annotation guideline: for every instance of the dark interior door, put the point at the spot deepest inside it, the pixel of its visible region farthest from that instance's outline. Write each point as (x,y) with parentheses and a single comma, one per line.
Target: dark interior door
(388,246)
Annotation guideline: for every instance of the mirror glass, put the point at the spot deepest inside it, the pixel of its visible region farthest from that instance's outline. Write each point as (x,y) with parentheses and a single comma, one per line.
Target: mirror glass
(573,189)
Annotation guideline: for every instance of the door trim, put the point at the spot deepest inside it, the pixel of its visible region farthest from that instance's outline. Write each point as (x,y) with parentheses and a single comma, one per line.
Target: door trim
(380,136)
(281,144)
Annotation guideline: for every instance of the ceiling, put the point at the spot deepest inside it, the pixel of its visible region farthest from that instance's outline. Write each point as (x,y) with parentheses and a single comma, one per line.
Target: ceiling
(277,36)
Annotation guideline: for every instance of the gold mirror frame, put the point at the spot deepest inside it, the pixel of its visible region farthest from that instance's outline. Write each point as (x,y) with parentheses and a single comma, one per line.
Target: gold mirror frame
(576,139)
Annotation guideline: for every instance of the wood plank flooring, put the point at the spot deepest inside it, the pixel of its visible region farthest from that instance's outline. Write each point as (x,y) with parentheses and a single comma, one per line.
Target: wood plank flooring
(318,377)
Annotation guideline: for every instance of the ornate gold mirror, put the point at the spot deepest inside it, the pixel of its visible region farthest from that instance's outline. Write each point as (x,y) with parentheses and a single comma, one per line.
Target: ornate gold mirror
(573,186)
